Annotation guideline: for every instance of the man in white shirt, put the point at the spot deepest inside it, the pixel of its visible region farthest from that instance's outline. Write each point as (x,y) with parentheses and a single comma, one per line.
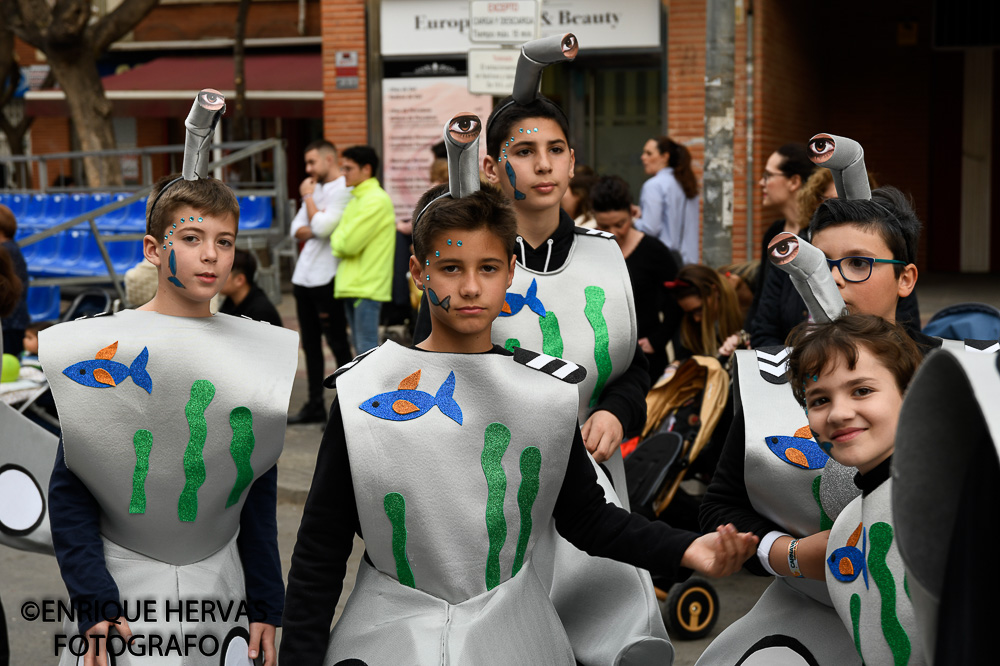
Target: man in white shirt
(324,195)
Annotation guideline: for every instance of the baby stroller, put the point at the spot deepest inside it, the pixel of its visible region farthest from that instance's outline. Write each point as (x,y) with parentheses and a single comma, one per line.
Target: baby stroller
(965,321)
(682,413)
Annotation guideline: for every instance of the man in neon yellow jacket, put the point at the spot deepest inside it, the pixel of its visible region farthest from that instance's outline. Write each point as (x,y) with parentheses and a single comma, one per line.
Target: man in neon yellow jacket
(365,241)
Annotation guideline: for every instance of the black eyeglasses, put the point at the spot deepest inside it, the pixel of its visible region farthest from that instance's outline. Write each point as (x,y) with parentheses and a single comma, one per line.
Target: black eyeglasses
(858,269)
(768,175)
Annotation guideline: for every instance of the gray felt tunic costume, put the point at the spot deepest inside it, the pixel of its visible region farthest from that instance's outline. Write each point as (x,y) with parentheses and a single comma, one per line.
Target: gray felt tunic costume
(867,581)
(583,311)
(452,576)
(784,473)
(168,421)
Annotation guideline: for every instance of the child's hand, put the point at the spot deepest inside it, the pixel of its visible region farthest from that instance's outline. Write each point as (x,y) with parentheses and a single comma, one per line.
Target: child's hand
(262,639)
(720,553)
(97,651)
(646,346)
(602,434)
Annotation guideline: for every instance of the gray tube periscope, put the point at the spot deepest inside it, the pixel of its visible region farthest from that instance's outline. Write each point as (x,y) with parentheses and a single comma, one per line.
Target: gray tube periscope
(845,158)
(205,114)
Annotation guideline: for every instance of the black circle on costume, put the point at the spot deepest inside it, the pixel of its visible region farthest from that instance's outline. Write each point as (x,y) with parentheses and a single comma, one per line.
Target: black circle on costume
(780,640)
(375,403)
(692,609)
(234,633)
(19,533)
(83,371)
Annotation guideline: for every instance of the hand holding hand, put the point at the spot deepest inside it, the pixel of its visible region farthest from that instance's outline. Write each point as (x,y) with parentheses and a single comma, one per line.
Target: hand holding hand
(729,345)
(720,553)
(602,434)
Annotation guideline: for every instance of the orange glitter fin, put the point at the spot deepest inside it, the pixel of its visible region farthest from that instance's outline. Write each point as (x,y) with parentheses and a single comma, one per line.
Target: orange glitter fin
(411,382)
(108,353)
(797,457)
(853,539)
(104,377)
(804,432)
(404,407)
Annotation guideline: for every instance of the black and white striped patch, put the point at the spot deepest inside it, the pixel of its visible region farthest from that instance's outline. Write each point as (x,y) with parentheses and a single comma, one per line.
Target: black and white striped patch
(592,232)
(569,372)
(982,346)
(331,381)
(772,362)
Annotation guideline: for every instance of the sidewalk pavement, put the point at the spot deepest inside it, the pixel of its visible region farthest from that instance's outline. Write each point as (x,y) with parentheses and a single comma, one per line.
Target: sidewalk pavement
(298,460)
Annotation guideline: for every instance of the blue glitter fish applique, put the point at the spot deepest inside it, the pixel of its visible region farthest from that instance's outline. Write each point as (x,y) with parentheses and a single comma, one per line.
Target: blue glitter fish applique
(513,303)
(407,403)
(848,562)
(800,450)
(102,372)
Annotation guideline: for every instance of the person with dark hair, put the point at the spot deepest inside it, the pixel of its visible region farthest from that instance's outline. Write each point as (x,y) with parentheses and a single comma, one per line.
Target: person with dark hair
(243,297)
(18,319)
(393,462)
(669,199)
(576,201)
(324,196)
(365,242)
(650,264)
(787,170)
(850,376)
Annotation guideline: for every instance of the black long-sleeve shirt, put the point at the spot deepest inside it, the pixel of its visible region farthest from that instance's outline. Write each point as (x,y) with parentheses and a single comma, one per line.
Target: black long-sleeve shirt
(330,521)
(625,397)
(74,516)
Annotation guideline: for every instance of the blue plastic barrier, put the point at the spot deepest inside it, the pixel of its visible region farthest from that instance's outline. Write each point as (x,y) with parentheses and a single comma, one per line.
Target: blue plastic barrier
(43,303)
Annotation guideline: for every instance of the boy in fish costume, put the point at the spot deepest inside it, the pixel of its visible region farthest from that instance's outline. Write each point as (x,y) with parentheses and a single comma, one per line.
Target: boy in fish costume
(450,458)
(165,484)
(850,376)
(571,298)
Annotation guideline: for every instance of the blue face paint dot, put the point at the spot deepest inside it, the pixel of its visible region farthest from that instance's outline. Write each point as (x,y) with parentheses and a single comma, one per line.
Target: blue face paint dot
(164,247)
(437,253)
(170,243)
(460,243)
(175,226)
(199,219)
(536,129)
(428,262)
(521,130)
(815,378)
(449,241)
(192,219)
(529,131)
(164,238)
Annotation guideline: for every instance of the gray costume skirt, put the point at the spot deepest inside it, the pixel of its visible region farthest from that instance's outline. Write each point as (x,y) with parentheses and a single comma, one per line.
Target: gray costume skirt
(792,624)
(217,579)
(388,624)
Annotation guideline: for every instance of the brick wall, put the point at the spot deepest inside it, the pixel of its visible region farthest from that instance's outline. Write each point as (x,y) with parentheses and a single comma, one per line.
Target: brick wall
(266,19)
(153,132)
(50,135)
(345,112)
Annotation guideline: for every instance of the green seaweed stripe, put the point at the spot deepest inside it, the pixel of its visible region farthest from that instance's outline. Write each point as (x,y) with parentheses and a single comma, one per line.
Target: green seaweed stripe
(856,622)
(825,522)
(880,536)
(395,510)
(143,443)
(531,464)
(552,342)
(496,440)
(241,448)
(594,310)
(202,392)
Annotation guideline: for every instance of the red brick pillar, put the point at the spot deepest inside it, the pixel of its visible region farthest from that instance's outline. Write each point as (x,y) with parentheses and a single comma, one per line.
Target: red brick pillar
(345,112)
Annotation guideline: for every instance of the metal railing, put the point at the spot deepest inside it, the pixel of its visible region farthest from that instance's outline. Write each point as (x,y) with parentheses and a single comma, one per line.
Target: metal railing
(273,239)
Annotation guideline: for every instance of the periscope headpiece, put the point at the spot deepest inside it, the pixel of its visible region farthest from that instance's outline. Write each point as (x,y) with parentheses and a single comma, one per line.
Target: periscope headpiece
(805,264)
(461,140)
(206,112)
(536,55)
(845,158)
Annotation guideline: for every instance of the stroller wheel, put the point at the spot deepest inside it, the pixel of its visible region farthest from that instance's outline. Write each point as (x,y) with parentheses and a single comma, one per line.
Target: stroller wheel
(692,609)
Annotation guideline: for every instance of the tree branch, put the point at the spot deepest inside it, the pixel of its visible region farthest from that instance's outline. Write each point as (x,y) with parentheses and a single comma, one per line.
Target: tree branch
(27,19)
(114,25)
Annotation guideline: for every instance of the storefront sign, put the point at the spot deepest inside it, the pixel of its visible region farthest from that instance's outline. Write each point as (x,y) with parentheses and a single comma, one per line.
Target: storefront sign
(441,27)
(347,70)
(491,71)
(414,111)
(499,22)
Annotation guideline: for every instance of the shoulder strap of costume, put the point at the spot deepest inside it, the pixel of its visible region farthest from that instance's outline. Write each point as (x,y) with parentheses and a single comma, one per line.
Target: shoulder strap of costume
(983,346)
(583,231)
(569,372)
(94,316)
(331,381)
(772,362)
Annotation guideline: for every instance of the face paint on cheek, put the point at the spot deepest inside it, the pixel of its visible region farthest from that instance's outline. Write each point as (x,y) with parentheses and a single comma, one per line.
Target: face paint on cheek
(512,177)
(826,446)
(433,298)
(172,262)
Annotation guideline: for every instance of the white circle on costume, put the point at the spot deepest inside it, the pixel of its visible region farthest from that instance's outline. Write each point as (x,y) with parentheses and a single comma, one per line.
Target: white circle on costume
(777,655)
(21,503)
(236,653)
